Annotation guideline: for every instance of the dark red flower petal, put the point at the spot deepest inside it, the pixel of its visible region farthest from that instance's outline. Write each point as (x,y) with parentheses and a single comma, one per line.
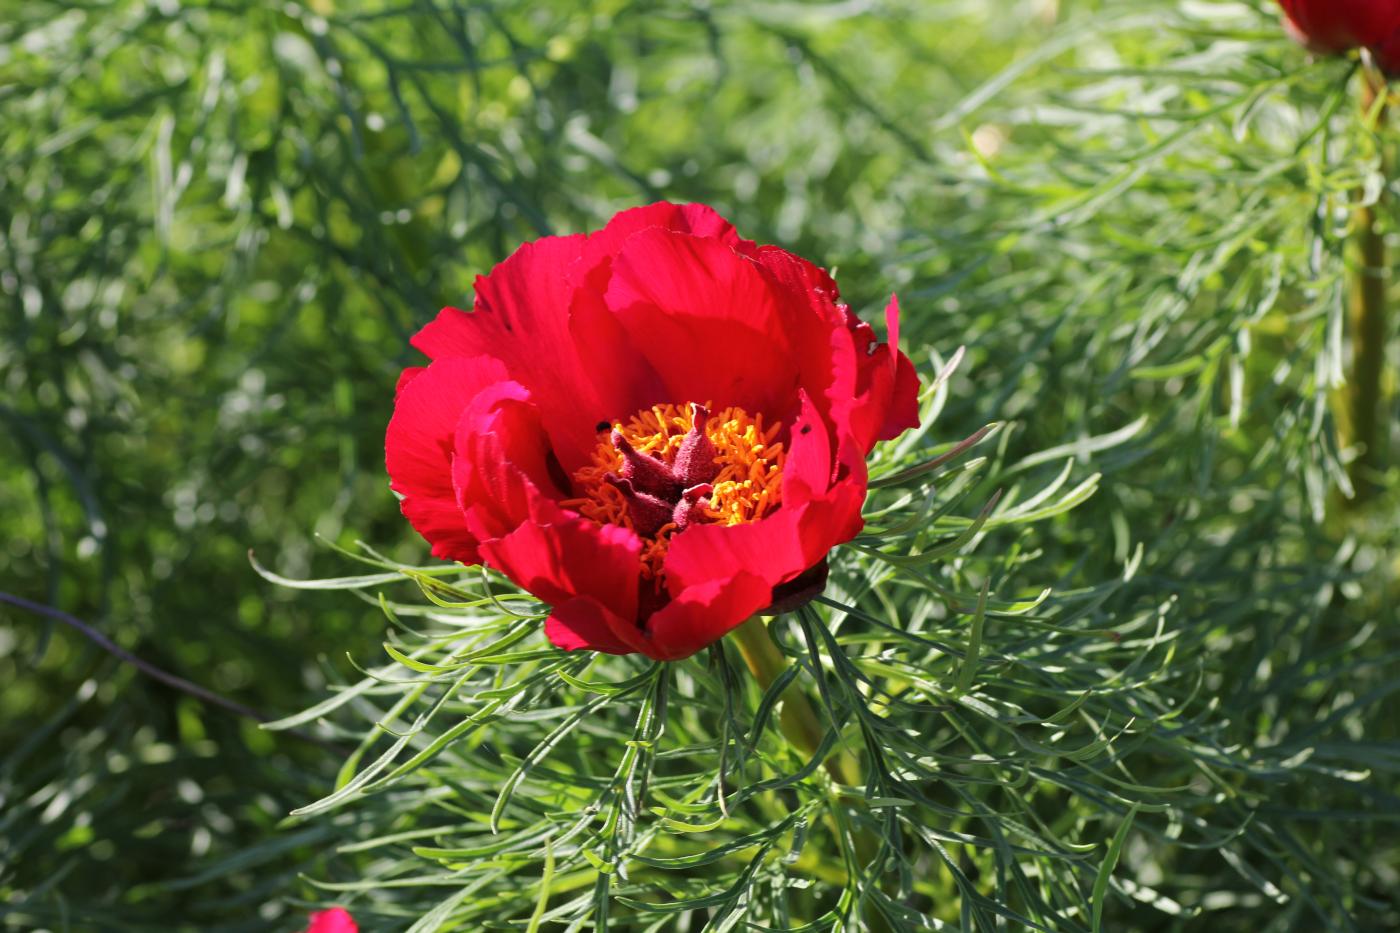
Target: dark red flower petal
(1388,54)
(800,590)
(1333,26)
(418,449)
(1317,25)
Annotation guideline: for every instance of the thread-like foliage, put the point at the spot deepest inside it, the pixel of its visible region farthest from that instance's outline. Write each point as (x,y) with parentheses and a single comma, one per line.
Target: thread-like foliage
(1125,662)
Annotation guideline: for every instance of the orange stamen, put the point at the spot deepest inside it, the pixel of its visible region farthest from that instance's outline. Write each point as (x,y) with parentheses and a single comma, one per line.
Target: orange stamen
(748,483)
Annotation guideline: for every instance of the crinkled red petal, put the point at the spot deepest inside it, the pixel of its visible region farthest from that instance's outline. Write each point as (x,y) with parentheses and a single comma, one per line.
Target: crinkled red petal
(521,317)
(697,220)
(821,509)
(506,491)
(418,449)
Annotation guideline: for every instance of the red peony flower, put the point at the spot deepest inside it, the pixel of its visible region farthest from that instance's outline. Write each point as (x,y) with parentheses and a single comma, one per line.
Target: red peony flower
(1332,26)
(335,920)
(659,429)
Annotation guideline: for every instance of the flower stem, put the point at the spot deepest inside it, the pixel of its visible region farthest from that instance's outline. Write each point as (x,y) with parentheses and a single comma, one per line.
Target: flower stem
(1365,401)
(805,731)
(766,662)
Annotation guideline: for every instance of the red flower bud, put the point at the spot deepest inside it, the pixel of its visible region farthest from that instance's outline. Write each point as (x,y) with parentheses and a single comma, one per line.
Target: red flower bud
(335,920)
(659,429)
(1336,26)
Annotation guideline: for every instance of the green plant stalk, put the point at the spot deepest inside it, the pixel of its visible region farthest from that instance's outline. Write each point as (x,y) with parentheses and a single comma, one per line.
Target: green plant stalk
(798,720)
(1365,390)
(805,730)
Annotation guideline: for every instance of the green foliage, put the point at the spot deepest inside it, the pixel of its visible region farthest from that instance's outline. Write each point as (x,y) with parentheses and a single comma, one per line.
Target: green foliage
(218,225)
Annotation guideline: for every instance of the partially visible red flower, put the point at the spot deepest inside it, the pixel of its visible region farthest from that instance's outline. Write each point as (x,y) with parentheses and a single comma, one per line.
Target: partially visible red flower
(1334,26)
(335,920)
(658,429)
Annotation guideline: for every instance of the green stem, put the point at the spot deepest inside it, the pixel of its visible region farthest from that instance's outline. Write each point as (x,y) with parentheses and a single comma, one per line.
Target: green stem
(767,662)
(1365,401)
(805,731)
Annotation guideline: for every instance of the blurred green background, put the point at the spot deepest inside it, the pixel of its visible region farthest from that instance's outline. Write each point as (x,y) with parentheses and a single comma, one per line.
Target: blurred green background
(220,223)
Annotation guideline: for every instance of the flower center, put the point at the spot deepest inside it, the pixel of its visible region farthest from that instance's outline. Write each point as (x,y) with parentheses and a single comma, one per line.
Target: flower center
(673,466)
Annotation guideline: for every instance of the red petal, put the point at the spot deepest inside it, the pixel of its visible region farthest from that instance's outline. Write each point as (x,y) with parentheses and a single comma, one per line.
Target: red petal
(776,548)
(874,385)
(521,317)
(624,380)
(500,460)
(1388,54)
(1315,27)
(524,293)
(418,446)
(696,219)
(886,387)
(701,615)
(800,276)
(568,557)
(408,375)
(902,408)
(816,324)
(505,489)
(1370,22)
(707,320)
(809,470)
(821,508)
(1338,25)
(585,623)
